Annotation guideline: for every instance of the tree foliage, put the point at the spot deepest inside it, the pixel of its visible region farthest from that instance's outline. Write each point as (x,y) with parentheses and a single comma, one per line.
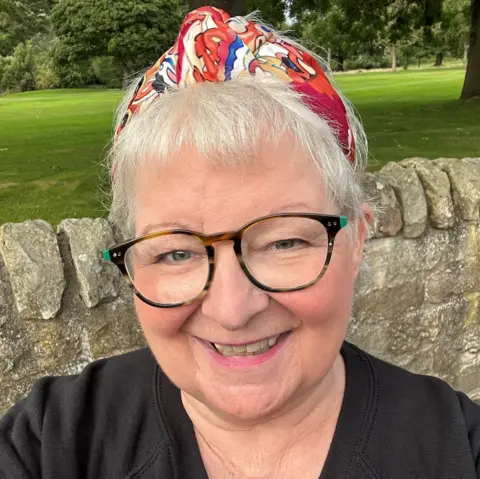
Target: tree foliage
(102,41)
(234,7)
(355,30)
(134,32)
(20,21)
(272,12)
(19,70)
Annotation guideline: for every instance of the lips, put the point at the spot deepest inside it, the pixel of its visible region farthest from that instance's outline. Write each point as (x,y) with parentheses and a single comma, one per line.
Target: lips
(248,349)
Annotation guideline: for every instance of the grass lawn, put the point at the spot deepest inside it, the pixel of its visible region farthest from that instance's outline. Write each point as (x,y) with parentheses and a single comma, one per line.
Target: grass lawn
(414,114)
(51,146)
(52,142)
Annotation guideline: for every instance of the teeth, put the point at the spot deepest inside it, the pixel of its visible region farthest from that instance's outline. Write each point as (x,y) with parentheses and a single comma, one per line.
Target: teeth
(247,349)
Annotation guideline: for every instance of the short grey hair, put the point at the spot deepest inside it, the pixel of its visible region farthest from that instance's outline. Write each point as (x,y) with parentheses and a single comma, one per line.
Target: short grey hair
(227,122)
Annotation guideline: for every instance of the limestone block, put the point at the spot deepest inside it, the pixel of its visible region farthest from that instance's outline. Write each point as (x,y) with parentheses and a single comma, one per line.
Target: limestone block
(32,349)
(464,175)
(393,261)
(443,162)
(98,279)
(462,243)
(427,339)
(391,301)
(452,279)
(387,214)
(5,311)
(35,267)
(436,186)
(406,338)
(117,331)
(410,194)
(475,395)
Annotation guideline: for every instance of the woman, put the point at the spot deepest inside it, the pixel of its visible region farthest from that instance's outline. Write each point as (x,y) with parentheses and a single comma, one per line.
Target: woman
(234,169)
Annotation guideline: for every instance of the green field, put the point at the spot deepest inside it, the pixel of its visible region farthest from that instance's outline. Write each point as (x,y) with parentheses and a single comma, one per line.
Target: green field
(415,114)
(52,142)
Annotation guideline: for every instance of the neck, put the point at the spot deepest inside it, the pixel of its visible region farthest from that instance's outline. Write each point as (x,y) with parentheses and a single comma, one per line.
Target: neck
(255,449)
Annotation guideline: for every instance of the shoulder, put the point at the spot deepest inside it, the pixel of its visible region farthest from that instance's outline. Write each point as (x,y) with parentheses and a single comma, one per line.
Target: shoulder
(102,422)
(423,419)
(107,384)
(401,388)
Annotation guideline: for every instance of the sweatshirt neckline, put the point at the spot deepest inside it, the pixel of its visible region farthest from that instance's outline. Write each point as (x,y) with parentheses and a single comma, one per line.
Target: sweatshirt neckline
(349,440)
(356,417)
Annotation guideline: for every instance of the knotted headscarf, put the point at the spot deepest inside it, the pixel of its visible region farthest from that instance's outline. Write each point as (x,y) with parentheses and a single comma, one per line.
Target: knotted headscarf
(214,47)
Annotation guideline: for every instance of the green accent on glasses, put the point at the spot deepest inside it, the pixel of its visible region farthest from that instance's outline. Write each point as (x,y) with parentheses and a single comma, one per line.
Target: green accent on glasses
(278,253)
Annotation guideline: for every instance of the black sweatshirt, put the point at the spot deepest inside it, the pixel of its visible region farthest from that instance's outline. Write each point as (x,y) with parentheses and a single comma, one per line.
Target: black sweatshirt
(122,418)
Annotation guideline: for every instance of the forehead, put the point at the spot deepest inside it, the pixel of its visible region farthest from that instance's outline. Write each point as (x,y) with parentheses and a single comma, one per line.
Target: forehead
(192,192)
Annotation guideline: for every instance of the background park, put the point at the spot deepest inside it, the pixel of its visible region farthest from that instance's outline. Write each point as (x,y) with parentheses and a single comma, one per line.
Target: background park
(410,67)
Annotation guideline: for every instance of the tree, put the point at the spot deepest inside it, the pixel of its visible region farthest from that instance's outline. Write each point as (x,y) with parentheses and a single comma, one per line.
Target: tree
(233,7)
(19,73)
(471,87)
(456,26)
(450,33)
(336,32)
(401,23)
(272,12)
(20,21)
(133,32)
(328,34)
(372,10)
(364,28)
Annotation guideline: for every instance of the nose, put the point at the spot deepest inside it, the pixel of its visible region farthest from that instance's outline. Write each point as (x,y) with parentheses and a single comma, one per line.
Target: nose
(232,299)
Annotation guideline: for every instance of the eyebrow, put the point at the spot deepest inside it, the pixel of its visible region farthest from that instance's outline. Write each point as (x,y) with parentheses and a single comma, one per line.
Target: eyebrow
(168,225)
(291,207)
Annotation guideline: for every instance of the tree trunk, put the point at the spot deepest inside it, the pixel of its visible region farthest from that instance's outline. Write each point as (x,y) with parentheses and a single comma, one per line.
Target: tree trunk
(329,58)
(394,57)
(465,54)
(340,62)
(233,7)
(438,60)
(471,87)
(127,76)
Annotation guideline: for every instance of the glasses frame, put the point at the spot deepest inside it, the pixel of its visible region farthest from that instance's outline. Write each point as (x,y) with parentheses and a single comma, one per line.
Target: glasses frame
(332,223)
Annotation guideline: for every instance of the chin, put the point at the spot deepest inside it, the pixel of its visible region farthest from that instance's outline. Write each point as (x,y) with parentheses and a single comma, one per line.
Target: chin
(245,404)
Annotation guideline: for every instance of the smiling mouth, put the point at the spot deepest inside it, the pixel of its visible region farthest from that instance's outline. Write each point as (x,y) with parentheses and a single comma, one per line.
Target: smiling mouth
(252,349)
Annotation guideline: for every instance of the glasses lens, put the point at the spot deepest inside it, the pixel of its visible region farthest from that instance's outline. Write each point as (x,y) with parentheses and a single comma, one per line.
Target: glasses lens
(168,269)
(285,252)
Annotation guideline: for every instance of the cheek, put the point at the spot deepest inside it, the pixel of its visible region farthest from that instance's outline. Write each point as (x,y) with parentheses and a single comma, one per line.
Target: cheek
(162,328)
(327,304)
(161,323)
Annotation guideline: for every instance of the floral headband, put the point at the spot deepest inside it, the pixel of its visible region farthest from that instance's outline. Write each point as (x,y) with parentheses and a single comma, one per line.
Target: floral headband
(214,47)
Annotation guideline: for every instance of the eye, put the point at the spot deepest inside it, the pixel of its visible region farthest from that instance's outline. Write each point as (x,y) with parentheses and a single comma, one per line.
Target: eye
(287,243)
(177,256)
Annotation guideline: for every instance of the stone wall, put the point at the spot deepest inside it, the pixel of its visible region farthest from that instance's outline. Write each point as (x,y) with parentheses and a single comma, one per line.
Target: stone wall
(417,302)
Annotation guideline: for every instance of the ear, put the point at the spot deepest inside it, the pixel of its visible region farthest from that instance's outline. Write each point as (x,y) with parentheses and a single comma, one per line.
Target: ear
(361,236)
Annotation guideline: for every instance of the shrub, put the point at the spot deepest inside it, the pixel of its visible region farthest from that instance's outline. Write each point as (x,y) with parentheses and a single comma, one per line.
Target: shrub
(368,62)
(45,75)
(71,74)
(108,71)
(19,72)
(4,63)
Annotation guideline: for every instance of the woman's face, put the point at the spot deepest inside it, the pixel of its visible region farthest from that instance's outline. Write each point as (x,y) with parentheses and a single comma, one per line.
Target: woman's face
(189,193)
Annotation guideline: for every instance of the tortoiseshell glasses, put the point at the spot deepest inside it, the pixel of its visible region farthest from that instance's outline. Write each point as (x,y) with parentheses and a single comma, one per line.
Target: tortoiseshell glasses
(278,253)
